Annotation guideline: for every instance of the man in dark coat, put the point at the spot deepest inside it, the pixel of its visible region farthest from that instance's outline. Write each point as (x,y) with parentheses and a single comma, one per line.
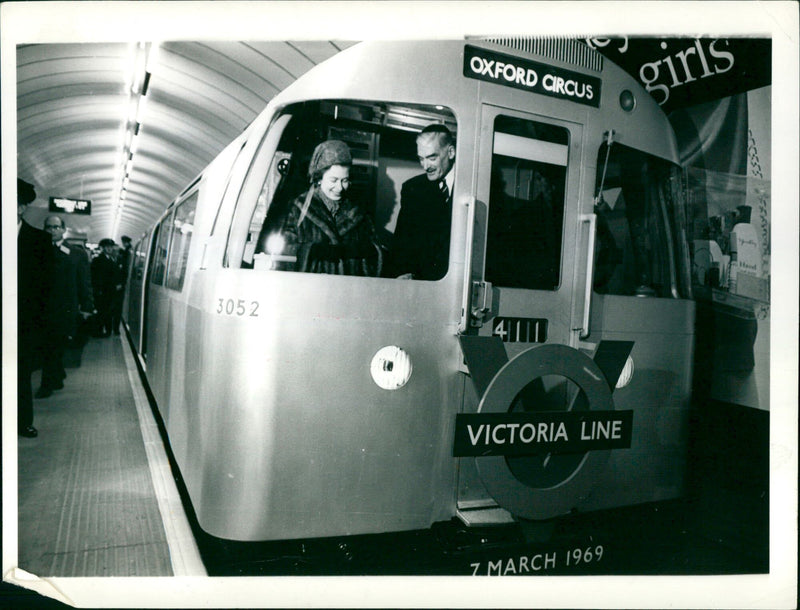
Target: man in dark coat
(70,297)
(123,261)
(104,282)
(421,243)
(34,273)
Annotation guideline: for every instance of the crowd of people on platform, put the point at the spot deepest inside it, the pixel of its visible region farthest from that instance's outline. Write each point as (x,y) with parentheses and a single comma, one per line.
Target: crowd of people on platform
(65,293)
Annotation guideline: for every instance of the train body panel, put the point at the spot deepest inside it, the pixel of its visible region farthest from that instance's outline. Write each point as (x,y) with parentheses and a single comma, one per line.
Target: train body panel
(294,380)
(285,415)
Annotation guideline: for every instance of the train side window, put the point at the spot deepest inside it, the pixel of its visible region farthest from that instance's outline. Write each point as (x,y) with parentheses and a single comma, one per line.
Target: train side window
(160,252)
(182,227)
(140,258)
(526,204)
(640,248)
(381,138)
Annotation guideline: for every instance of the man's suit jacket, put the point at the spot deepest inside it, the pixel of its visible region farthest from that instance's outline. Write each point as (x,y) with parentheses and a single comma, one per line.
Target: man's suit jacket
(421,243)
(34,280)
(72,290)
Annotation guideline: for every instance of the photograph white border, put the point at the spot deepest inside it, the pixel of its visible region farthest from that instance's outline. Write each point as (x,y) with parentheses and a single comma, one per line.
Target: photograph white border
(49,22)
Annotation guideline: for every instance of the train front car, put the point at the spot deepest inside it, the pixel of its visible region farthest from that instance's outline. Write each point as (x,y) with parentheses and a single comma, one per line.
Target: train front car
(325,404)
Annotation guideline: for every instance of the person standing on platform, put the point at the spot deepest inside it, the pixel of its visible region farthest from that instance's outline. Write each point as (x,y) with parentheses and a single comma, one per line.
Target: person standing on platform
(34,275)
(123,259)
(104,283)
(421,243)
(70,299)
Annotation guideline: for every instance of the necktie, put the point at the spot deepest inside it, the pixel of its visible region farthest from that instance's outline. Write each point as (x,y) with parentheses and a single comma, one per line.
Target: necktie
(443,189)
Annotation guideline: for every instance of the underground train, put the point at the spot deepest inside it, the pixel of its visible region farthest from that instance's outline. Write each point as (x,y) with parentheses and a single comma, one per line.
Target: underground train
(546,373)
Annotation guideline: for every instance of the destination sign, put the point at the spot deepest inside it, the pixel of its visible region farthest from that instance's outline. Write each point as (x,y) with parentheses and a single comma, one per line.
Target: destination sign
(70,206)
(531,433)
(533,76)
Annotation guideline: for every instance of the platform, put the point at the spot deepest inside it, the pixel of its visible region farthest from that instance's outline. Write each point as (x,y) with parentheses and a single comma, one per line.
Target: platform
(96,493)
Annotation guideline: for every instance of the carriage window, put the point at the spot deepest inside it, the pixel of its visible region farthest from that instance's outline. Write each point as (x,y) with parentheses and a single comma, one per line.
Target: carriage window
(182,229)
(139,258)
(640,248)
(336,222)
(526,204)
(159,263)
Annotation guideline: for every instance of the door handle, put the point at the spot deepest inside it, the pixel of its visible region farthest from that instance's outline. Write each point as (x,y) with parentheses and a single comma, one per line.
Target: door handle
(481,301)
(466,298)
(591,219)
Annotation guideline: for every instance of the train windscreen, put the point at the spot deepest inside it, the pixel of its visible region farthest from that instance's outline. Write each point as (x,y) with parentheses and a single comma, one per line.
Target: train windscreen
(641,246)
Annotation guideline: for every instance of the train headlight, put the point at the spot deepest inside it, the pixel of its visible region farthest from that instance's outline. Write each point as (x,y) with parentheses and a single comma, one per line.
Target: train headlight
(391,367)
(627,100)
(626,375)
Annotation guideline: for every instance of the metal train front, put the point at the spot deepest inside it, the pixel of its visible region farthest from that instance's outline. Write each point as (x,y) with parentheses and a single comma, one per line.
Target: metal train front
(266,379)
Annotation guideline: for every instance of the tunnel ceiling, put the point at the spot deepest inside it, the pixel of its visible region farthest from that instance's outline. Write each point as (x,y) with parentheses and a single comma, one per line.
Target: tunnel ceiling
(76,104)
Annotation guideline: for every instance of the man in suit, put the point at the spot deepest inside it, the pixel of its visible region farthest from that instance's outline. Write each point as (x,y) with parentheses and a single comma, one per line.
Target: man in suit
(70,297)
(421,243)
(34,274)
(105,276)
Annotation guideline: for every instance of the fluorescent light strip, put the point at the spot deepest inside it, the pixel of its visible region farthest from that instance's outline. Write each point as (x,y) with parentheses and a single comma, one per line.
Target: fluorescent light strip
(530,149)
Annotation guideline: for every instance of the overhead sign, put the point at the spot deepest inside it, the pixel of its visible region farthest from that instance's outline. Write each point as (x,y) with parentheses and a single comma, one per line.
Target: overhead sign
(533,76)
(70,206)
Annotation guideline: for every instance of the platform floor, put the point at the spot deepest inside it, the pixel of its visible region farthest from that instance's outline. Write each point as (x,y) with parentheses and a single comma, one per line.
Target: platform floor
(95,491)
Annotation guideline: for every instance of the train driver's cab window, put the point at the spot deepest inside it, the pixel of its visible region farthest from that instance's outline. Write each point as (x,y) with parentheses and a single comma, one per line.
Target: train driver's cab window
(526,204)
(640,246)
(347,191)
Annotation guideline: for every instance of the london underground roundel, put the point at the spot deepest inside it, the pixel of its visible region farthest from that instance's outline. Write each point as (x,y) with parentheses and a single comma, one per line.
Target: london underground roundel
(546,484)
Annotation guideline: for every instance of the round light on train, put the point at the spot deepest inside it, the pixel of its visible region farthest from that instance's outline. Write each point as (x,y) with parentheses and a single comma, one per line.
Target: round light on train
(627,100)
(275,243)
(627,373)
(391,367)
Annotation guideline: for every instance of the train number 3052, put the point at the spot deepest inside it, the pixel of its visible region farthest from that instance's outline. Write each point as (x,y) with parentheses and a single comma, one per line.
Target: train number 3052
(237,307)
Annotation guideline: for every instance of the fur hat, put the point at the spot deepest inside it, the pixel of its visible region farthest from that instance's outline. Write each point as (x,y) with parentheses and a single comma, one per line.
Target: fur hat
(326,154)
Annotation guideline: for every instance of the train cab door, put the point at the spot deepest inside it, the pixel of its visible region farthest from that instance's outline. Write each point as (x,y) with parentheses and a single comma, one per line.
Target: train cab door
(528,275)
(534,255)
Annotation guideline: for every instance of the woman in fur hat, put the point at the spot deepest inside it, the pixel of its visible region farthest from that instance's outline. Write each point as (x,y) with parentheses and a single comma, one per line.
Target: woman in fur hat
(325,230)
